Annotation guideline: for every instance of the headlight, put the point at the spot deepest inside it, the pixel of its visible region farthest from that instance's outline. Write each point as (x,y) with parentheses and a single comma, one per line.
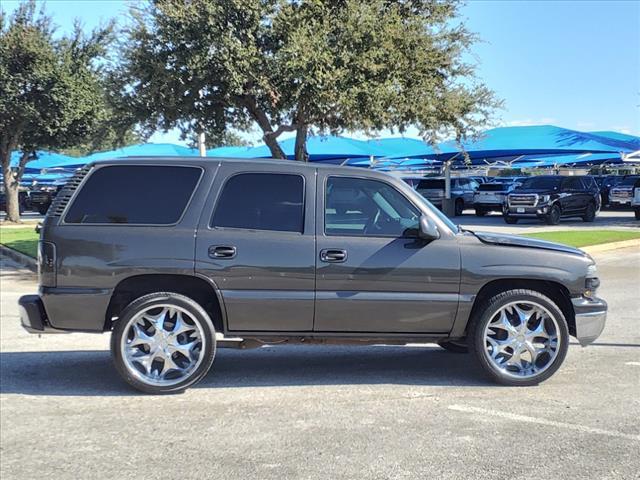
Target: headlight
(592,282)
(545,198)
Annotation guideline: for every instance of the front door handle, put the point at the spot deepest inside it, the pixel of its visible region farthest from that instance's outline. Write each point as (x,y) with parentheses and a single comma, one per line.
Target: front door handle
(222,251)
(333,255)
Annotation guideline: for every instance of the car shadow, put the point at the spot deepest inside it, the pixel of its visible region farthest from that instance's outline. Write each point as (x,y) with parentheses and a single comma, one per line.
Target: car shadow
(91,373)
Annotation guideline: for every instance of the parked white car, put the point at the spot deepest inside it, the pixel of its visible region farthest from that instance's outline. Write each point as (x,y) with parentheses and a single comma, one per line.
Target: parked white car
(635,202)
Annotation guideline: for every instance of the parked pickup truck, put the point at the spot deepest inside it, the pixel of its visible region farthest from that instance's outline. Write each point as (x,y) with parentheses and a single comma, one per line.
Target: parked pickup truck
(276,252)
(622,193)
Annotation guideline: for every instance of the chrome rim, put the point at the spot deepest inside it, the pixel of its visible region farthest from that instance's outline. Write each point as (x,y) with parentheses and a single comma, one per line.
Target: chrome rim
(522,339)
(163,345)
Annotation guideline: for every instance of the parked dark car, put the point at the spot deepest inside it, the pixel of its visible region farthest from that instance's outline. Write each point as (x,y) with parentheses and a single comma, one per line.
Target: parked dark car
(41,200)
(462,190)
(23,199)
(605,183)
(621,194)
(278,252)
(490,197)
(552,197)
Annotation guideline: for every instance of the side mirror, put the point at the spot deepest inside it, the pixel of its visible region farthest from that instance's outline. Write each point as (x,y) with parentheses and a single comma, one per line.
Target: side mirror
(428,229)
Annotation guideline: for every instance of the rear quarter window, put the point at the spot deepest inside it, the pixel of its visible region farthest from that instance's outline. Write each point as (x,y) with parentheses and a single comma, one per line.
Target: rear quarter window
(134,194)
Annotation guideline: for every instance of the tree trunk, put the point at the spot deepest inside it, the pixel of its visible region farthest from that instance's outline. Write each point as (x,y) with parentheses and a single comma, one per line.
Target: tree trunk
(301,144)
(271,142)
(10,189)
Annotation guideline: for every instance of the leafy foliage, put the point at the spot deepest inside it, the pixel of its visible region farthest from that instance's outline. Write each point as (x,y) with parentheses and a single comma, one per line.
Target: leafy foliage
(51,89)
(329,66)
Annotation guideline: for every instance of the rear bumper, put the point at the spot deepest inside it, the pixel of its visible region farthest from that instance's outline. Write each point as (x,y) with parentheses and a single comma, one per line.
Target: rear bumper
(33,316)
(65,309)
(498,207)
(591,315)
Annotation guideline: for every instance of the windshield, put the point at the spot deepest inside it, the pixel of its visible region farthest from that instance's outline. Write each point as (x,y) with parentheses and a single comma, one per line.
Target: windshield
(628,181)
(541,183)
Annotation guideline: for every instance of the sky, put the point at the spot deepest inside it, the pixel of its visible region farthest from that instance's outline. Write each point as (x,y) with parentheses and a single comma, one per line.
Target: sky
(573,63)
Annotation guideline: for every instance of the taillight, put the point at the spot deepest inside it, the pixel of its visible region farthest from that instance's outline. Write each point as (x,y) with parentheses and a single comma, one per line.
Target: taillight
(47,264)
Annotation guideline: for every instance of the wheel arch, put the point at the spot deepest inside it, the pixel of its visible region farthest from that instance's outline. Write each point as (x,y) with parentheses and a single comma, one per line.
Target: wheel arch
(197,288)
(557,292)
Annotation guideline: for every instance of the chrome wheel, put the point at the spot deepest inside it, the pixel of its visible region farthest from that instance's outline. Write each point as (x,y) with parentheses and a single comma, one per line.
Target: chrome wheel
(162,345)
(522,339)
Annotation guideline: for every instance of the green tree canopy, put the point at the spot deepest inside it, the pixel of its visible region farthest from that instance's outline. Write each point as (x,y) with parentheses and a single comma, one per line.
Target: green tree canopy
(325,65)
(52,92)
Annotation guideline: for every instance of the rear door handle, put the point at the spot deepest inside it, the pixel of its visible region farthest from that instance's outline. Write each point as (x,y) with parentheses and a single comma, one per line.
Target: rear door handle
(222,251)
(333,255)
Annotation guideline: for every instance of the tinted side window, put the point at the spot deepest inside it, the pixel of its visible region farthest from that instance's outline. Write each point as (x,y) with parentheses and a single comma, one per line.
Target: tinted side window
(361,207)
(261,201)
(134,194)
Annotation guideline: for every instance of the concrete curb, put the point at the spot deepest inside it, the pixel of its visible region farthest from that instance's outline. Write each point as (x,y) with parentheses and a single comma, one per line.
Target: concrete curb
(24,260)
(605,247)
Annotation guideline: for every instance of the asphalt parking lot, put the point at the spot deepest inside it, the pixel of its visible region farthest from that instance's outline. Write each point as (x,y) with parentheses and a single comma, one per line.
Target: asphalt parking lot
(322,412)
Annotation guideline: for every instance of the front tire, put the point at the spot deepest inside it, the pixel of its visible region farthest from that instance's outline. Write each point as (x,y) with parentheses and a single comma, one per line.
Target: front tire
(519,337)
(480,212)
(510,220)
(553,217)
(590,213)
(163,343)
(636,212)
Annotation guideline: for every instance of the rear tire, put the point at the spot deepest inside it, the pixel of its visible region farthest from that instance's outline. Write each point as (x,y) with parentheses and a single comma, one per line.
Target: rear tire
(636,211)
(590,213)
(509,328)
(480,212)
(42,209)
(163,343)
(553,217)
(459,207)
(454,346)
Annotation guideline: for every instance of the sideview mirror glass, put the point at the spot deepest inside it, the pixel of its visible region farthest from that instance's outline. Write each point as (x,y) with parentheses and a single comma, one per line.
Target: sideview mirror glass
(428,229)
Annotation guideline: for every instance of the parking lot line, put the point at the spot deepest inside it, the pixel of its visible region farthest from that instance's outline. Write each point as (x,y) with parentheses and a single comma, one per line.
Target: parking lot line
(542,421)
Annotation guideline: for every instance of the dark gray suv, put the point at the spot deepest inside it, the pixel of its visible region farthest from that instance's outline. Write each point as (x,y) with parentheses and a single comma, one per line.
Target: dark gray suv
(177,257)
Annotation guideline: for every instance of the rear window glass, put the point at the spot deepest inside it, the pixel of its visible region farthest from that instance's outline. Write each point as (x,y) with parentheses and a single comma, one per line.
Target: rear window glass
(437,184)
(134,194)
(262,201)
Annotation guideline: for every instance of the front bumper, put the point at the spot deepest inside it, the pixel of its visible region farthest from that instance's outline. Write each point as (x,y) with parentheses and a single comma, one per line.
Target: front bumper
(591,315)
(538,211)
(33,316)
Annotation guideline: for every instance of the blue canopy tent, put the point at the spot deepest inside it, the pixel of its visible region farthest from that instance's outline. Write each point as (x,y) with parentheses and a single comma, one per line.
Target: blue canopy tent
(43,159)
(322,148)
(232,152)
(543,139)
(400,147)
(144,150)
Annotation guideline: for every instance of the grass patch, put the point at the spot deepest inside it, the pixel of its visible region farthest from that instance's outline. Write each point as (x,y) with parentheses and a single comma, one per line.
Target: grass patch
(22,239)
(583,238)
